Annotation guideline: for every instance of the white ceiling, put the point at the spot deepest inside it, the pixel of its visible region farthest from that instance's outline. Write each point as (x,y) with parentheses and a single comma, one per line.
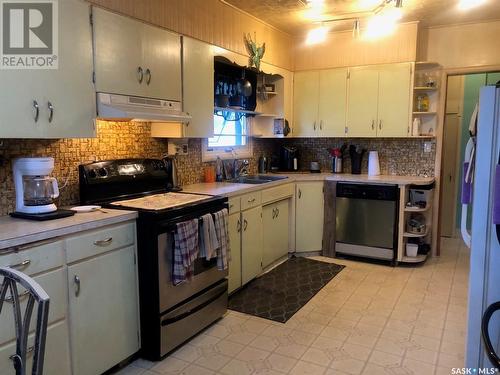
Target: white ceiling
(295,18)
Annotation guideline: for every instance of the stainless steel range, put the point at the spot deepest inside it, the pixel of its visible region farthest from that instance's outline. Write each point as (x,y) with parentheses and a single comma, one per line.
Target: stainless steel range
(169,314)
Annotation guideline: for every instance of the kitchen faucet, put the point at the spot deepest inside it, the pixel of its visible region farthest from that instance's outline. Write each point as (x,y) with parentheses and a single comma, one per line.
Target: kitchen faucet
(240,167)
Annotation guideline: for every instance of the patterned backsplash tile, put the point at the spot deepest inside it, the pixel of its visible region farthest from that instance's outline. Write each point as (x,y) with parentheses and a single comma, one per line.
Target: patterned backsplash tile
(123,140)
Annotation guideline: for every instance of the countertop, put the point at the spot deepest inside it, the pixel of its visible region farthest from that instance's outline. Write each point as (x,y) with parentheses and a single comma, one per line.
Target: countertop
(229,189)
(16,232)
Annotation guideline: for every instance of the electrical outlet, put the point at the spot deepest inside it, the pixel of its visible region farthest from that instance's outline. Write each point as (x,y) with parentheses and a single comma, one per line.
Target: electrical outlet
(178,147)
(427,147)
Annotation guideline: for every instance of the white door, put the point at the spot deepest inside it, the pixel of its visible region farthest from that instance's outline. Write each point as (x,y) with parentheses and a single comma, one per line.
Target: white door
(198,87)
(68,89)
(305,104)
(332,102)
(234,274)
(103,311)
(275,220)
(162,62)
(394,92)
(251,244)
(309,216)
(118,55)
(362,102)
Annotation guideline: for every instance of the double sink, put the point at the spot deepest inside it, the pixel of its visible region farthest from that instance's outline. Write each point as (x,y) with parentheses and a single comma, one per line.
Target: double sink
(256,179)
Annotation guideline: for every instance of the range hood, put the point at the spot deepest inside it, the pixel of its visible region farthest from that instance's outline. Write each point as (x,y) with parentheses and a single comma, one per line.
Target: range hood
(116,107)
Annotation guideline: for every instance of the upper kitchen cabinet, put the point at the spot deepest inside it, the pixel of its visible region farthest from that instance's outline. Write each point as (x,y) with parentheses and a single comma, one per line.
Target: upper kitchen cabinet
(198,87)
(379,100)
(133,58)
(320,103)
(54,103)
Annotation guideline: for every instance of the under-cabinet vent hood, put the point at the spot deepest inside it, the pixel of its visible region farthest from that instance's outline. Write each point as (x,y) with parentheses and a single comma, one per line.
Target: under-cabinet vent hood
(116,107)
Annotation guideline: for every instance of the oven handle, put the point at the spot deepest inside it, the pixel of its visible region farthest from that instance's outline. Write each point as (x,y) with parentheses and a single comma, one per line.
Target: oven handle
(193,310)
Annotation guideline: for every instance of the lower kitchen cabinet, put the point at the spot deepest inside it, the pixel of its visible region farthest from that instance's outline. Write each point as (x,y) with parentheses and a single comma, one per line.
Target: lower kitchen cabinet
(234,275)
(251,244)
(275,226)
(309,211)
(103,311)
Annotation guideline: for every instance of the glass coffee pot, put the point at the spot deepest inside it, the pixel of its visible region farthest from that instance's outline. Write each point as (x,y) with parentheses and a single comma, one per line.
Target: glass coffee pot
(39,190)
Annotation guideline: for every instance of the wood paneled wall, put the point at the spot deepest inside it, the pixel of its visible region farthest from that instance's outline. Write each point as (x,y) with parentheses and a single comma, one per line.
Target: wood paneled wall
(461,46)
(211,21)
(341,49)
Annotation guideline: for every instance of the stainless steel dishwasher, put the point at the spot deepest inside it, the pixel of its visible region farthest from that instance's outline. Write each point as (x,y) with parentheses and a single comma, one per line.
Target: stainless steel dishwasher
(367,220)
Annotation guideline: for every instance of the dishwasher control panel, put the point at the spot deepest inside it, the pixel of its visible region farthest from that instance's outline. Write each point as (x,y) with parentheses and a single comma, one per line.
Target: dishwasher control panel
(368,191)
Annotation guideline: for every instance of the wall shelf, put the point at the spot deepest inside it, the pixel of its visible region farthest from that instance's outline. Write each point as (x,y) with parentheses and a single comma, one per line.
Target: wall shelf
(413,209)
(414,235)
(425,88)
(424,113)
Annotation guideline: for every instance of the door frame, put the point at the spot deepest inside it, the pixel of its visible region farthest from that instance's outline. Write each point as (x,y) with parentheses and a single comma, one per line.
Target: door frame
(446,72)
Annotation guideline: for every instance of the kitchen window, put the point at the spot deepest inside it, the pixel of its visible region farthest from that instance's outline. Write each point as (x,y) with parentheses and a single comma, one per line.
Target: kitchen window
(230,138)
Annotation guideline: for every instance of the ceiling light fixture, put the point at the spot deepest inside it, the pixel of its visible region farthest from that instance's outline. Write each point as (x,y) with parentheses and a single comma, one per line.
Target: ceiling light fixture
(399,3)
(469,4)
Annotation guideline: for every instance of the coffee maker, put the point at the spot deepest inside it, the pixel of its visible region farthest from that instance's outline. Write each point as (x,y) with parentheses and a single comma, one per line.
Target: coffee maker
(35,189)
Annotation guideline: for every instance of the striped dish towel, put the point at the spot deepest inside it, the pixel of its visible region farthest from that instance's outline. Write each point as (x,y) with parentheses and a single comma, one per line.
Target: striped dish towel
(221,219)
(186,250)
(208,237)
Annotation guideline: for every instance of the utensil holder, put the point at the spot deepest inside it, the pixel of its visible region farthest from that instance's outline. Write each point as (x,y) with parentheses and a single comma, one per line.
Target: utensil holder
(356,160)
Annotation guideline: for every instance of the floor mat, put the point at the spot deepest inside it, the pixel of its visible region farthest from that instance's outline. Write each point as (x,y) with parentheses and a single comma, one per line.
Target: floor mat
(281,292)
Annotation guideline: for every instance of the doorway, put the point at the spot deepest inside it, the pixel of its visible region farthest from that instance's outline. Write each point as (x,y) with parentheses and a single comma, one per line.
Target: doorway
(462,95)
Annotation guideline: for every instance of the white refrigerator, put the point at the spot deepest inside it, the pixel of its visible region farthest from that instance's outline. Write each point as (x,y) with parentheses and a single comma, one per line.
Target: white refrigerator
(484,282)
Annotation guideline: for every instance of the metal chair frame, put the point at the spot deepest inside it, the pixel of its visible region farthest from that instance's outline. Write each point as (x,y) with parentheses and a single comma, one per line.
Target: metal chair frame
(35,293)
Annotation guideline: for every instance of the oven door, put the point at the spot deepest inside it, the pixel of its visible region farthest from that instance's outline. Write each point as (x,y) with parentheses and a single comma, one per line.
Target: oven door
(205,275)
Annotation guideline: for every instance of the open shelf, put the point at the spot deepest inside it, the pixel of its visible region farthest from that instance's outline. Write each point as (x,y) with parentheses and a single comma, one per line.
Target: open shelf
(237,110)
(414,235)
(268,115)
(267,92)
(429,113)
(423,65)
(412,209)
(425,88)
(418,259)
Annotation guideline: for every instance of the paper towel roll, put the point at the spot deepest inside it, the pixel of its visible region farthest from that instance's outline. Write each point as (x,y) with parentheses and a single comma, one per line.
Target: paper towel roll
(373,164)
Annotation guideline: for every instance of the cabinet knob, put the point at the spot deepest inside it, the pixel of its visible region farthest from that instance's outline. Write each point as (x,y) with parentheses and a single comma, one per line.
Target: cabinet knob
(77,285)
(314,125)
(277,212)
(380,124)
(300,193)
(140,74)
(274,213)
(245,225)
(238,226)
(321,125)
(373,124)
(37,110)
(51,111)
(148,76)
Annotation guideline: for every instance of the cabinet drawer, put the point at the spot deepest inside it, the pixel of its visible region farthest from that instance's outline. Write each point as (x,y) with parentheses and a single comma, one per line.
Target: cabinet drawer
(55,284)
(56,359)
(33,258)
(234,205)
(251,200)
(277,193)
(100,241)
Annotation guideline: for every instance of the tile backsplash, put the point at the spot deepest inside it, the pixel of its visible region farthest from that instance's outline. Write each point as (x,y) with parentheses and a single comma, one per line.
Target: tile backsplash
(122,140)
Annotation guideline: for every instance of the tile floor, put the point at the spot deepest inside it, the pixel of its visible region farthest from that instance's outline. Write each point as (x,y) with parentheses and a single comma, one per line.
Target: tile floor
(369,319)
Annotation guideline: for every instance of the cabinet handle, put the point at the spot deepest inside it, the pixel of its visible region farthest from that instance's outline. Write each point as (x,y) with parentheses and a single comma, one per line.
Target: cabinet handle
(148,76)
(251,200)
(231,206)
(24,263)
(37,110)
(105,242)
(277,212)
(140,74)
(380,124)
(20,297)
(28,351)
(373,124)
(321,125)
(300,193)
(274,213)
(245,225)
(314,125)
(77,285)
(51,111)
(238,226)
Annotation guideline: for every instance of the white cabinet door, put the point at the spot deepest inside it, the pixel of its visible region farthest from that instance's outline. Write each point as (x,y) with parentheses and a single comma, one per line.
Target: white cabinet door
(103,311)
(309,216)
(234,275)
(162,63)
(332,102)
(56,360)
(362,102)
(275,224)
(305,104)
(198,87)
(118,54)
(68,90)
(251,244)
(394,94)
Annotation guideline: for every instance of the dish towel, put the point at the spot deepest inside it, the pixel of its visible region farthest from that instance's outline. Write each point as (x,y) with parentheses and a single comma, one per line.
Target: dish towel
(186,250)
(208,237)
(222,230)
